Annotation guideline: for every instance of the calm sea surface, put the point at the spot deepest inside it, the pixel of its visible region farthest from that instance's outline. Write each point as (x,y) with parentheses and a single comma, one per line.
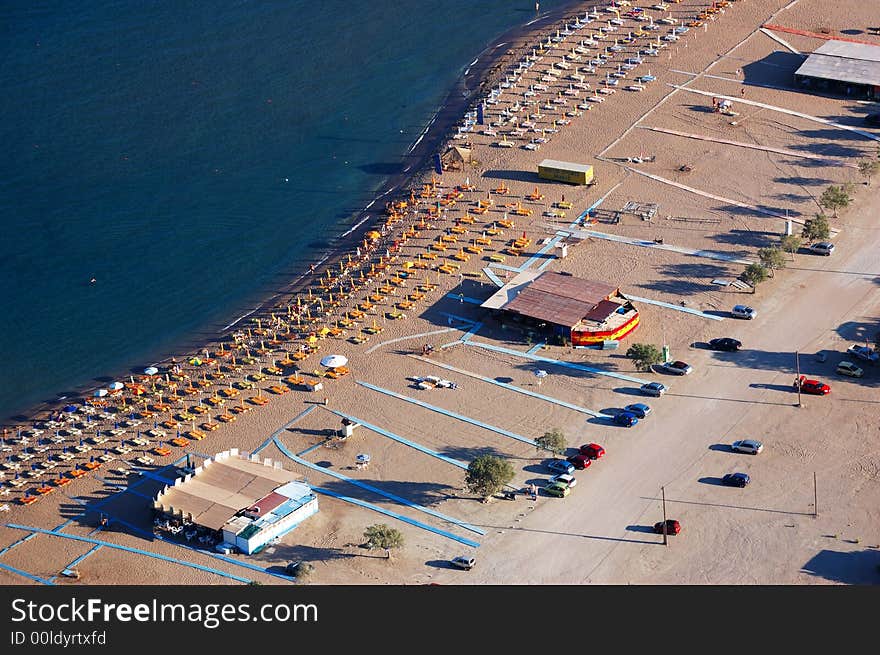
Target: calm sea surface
(186,154)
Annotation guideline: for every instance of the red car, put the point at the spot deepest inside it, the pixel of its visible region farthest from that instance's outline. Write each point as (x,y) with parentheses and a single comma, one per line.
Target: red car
(672,527)
(813,387)
(580,461)
(592,450)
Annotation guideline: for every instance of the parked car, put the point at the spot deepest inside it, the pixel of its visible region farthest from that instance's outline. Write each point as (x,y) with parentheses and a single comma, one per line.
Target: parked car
(743,311)
(725,343)
(849,369)
(865,353)
(580,461)
(672,527)
(655,389)
(822,248)
(560,466)
(813,387)
(641,410)
(592,450)
(677,367)
(558,489)
(564,478)
(735,480)
(749,446)
(626,419)
(462,562)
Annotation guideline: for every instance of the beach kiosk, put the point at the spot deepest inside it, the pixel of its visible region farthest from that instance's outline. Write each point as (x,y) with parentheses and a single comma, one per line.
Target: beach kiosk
(564,171)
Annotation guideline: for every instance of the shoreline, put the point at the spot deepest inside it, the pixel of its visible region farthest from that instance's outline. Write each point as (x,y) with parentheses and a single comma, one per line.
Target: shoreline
(479,75)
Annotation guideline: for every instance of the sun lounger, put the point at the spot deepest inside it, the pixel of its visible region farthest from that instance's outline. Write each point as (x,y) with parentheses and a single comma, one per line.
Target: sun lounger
(359,338)
(226,417)
(161,451)
(196,434)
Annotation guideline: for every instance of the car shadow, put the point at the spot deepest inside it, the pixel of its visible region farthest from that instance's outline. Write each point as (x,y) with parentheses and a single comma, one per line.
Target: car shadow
(440,564)
(709,480)
(630,391)
(641,528)
(602,420)
(721,448)
(773,387)
(537,468)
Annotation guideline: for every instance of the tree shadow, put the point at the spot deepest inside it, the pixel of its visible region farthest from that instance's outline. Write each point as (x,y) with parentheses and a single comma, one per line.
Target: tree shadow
(803,181)
(831,149)
(748,238)
(419,493)
(465,454)
(679,278)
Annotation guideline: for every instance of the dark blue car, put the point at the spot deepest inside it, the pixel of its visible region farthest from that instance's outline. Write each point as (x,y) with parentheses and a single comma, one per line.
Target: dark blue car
(626,419)
(735,480)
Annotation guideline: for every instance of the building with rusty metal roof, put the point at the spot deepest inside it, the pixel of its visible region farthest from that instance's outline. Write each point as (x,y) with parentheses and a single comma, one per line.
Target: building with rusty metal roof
(586,312)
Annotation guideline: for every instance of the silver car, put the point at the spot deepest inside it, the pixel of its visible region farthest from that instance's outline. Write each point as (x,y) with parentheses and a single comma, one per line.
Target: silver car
(849,369)
(749,446)
(743,311)
(822,248)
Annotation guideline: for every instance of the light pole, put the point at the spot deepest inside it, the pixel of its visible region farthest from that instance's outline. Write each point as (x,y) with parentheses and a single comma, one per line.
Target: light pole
(797,363)
(663,493)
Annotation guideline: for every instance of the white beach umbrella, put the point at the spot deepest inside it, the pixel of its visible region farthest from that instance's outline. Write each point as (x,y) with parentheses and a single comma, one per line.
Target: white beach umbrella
(100,393)
(116,386)
(151,370)
(334,361)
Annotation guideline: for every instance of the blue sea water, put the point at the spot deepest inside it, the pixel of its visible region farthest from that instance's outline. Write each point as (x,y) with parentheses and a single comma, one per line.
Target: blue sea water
(189,155)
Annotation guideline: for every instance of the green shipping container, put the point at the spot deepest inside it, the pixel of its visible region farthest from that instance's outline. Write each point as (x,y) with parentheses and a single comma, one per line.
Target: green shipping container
(563,171)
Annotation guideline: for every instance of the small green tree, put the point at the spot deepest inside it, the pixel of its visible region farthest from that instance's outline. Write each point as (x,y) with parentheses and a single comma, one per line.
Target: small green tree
(383,536)
(772,259)
(754,275)
(645,355)
(868,168)
(791,243)
(486,475)
(816,229)
(554,441)
(835,198)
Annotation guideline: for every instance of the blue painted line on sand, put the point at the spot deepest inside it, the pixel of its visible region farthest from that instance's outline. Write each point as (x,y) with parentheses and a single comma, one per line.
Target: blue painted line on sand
(308,410)
(536,347)
(511,387)
(376,490)
(25,574)
(18,543)
(440,410)
(505,267)
(467,335)
(82,557)
(494,278)
(130,549)
(399,517)
(469,321)
(462,298)
(406,442)
(678,308)
(557,362)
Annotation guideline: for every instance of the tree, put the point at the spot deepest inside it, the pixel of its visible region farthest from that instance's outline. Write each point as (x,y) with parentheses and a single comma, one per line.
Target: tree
(772,259)
(835,197)
(869,168)
(554,441)
(487,475)
(380,535)
(791,243)
(645,355)
(816,229)
(754,275)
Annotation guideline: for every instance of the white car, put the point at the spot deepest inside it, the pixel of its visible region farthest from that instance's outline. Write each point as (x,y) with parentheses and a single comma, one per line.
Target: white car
(749,446)
(849,369)
(743,311)
(564,478)
(822,248)
(461,562)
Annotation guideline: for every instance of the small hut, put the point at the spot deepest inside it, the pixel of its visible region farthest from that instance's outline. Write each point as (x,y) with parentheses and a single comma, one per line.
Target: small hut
(456,157)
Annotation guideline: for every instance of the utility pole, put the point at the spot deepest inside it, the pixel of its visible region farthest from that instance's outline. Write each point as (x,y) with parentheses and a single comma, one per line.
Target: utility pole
(797,363)
(815,497)
(665,539)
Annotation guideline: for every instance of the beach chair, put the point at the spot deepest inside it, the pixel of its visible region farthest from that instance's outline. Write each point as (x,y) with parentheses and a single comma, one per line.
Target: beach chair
(461,256)
(448,238)
(458,230)
(404,305)
(210,426)
(180,442)
(474,250)
(359,338)
(161,451)
(496,258)
(226,417)
(395,315)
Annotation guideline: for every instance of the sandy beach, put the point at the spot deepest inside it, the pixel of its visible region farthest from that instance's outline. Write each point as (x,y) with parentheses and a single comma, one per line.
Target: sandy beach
(723,186)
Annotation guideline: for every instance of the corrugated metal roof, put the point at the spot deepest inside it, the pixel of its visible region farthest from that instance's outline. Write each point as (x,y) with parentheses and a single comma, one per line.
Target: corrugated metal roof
(566,165)
(602,311)
(841,61)
(547,307)
(849,50)
(587,291)
(555,298)
(267,503)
